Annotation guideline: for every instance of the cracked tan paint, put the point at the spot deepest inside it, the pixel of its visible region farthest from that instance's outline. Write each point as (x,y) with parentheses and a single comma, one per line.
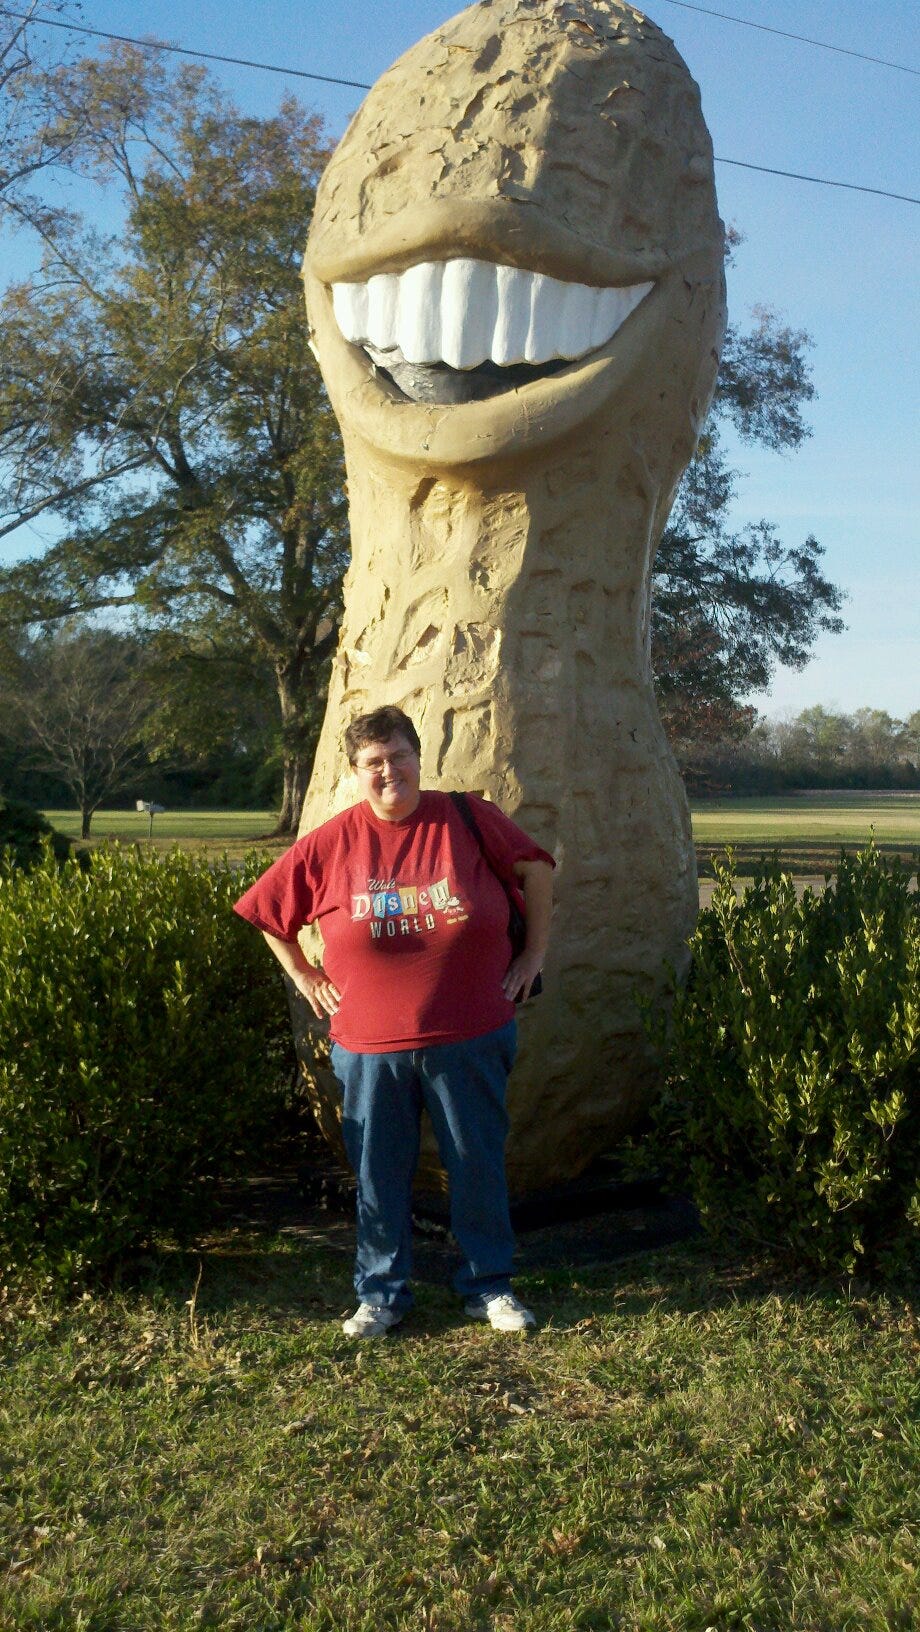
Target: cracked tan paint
(502,548)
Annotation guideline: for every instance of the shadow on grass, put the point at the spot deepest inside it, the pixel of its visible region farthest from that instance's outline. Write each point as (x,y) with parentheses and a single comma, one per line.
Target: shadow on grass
(808,858)
(288,1281)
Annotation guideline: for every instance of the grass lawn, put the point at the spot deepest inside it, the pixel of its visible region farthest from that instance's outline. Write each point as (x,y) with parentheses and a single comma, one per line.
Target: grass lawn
(685,1445)
(233,831)
(809,830)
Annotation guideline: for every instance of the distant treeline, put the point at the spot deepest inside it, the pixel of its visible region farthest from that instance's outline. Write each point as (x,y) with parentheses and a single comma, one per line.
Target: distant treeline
(233,782)
(816,749)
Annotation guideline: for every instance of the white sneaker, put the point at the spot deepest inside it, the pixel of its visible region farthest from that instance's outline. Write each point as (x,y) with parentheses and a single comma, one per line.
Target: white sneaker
(370,1321)
(503,1311)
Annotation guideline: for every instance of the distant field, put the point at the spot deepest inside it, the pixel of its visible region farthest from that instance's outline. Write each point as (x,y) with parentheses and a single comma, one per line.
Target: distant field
(808,831)
(217,830)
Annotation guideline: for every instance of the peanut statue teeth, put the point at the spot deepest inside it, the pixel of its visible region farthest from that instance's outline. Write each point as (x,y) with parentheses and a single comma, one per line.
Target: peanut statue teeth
(464,312)
(545,191)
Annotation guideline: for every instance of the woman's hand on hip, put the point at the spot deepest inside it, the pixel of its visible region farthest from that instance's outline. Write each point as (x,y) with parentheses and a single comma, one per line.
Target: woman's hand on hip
(520,975)
(310,979)
(314,984)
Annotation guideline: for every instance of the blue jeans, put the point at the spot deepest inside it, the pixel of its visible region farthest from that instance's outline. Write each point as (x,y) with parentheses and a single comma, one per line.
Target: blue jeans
(462,1087)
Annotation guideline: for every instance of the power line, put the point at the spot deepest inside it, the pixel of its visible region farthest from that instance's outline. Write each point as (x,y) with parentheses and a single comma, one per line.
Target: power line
(359,85)
(803,39)
(181,50)
(820,181)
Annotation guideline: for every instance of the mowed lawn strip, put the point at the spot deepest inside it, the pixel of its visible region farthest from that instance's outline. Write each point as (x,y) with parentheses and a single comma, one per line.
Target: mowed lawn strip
(217,831)
(684,1445)
(807,830)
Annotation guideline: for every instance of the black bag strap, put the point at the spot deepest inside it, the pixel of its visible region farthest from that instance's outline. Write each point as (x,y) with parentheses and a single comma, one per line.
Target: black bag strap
(516,921)
(517,925)
(466,811)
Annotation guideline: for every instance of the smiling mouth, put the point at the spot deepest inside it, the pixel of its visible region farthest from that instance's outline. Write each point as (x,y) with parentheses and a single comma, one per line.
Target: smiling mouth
(462,330)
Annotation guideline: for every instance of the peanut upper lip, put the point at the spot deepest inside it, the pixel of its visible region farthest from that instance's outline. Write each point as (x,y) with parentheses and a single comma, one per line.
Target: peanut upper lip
(514,233)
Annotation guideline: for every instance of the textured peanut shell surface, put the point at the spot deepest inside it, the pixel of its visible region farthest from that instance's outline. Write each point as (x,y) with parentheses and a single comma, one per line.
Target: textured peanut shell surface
(502,548)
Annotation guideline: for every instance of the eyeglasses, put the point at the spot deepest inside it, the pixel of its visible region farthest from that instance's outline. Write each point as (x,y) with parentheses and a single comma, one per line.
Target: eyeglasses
(399,761)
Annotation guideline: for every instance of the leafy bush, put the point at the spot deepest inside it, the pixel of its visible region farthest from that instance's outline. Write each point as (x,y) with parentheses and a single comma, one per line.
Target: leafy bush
(23,832)
(144,1037)
(792,1096)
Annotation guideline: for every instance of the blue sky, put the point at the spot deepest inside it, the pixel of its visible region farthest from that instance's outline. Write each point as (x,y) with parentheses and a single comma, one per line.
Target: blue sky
(841,265)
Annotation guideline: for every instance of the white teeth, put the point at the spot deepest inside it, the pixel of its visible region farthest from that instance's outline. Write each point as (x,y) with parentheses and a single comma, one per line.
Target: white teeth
(576,315)
(349,303)
(465,312)
(613,308)
(510,337)
(417,308)
(383,305)
(466,320)
(541,340)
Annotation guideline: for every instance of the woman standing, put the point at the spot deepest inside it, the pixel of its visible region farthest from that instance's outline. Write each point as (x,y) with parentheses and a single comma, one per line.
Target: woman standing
(419,982)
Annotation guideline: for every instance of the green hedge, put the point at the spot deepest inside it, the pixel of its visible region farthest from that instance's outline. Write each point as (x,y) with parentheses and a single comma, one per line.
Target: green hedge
(23,832)
(144,1039)
(791,1107)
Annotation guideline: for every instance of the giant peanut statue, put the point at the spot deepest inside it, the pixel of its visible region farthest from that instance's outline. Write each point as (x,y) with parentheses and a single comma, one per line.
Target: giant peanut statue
(514,283)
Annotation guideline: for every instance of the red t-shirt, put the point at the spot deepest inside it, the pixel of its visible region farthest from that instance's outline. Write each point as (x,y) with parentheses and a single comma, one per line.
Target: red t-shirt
(413,919)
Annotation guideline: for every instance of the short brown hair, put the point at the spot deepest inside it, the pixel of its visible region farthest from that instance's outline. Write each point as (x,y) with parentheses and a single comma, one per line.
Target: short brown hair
(379,726)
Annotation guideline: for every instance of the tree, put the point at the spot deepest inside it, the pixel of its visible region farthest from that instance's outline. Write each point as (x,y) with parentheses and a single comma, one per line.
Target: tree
(214,715)
(815,737)
(79,702)
(814,749)
(912,737)
(157,394)
(877,739)
(728,606)
(29,141)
